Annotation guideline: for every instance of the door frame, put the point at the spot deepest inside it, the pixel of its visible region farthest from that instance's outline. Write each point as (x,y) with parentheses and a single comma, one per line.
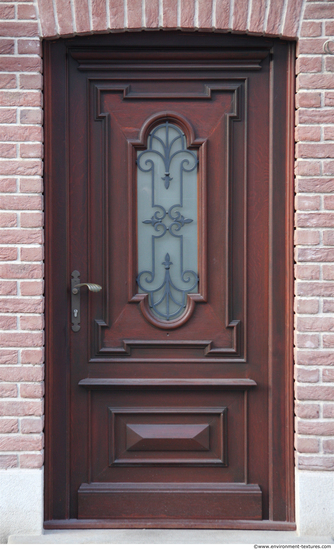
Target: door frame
(56,177)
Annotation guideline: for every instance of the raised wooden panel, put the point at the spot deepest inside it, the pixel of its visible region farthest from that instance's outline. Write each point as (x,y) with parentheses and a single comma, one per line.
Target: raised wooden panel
(174,436)
(181,500)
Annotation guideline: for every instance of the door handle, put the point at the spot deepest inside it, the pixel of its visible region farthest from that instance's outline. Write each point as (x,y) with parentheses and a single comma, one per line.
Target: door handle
(75,298)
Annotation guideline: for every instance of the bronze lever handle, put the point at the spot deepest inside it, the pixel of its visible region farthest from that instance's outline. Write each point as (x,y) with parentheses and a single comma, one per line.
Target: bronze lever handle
(93,287)
(75,298)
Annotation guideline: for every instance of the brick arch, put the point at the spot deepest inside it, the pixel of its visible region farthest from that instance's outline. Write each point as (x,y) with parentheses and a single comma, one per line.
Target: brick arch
(261,17)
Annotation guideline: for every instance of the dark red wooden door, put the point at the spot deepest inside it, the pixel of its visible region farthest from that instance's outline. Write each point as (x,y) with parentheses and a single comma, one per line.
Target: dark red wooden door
(159,418)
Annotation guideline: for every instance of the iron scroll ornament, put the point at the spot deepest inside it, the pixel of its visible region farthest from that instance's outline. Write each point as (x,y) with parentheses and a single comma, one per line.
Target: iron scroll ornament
(167,300)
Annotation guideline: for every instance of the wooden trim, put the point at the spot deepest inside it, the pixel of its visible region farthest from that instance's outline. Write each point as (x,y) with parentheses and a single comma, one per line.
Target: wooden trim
(170,524)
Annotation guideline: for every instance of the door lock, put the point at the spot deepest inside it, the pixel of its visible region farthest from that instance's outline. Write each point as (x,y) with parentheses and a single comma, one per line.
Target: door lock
(75,298)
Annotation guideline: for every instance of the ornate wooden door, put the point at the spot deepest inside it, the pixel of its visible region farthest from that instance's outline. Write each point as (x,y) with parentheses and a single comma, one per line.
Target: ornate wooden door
(168,168)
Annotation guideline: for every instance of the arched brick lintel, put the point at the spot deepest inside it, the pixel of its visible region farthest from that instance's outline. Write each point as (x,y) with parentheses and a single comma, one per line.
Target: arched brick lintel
(261,17)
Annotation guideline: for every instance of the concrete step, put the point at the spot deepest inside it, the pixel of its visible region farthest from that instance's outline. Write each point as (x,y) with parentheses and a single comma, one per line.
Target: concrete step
(166,536)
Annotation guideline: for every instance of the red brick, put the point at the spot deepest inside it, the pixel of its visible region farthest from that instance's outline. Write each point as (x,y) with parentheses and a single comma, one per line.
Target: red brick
(292,17)
(116,11)
(311,45)
(22,133)
(303,410)
(32,219)
(8,357)
(8,219)
(308,99)
(169,14)
(329,99)
(8,288)
(307,64)
(21,408)
(187,14)
(274,17)
(31,150)
(257,15)
(26,47)
(32,460)
(307,375)
(31,81)
(328,167)
(329,28)
(328,410)
(306,236)
(21,374)
(21,339)
(307,306)
(315,428)
(8,185)
(315,324)
(307,202)
(134,13)
(328,306)
(315,81)
(308,133)
(6,80)
(8,461)
(328,374)
(32,254)
(315,254)
(311,28)
(21,168)
(315,463)
(315,150)
(316,220)
(21,271)
(8,323)
(315,185)
(31,288)
(328,272)
(310,341)
(328,446)
(31,425)
(329,133)
(321,10)
(8,425)
(32,391)
(21,443)
(31,116)
(8,253)
(31,322)
(329,203)
(7,116)
(21,236)
(7,12)
(31,185)
(307,445)
(328,342)
(205,14)
(307,272)
(19,63)
(47,18)
(315,393)
(8,150)
(21,99)
(18,28)
(99,15)
(33,357)
(21,305)
(240,16)
(81,15)
(7,46)
(8,390)
(26,11)
(222,14)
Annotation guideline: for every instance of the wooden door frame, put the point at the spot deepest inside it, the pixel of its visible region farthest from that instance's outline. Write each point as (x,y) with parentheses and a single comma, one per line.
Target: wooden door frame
(56,177)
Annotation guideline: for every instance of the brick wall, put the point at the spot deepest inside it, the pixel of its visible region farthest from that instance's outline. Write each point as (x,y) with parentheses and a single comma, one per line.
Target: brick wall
(21,216)
(21,238)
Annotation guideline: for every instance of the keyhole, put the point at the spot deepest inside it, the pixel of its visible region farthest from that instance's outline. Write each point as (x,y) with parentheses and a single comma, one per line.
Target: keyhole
(75,313)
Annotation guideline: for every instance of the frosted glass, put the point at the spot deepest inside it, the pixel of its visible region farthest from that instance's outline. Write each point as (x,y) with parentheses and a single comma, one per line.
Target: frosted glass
(167,221)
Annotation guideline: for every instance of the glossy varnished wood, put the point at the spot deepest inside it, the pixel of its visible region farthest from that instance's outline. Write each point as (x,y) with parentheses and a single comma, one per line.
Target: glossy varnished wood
(189,422)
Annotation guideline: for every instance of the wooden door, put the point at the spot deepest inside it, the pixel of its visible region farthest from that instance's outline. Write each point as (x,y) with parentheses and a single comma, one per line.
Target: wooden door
(169,392)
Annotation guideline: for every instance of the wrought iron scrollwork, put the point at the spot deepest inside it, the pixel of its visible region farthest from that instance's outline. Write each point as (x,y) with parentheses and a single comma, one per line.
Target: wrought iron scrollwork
(167,300)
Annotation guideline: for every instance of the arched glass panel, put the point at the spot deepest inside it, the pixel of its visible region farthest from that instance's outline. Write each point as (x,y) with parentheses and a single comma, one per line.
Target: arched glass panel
(167,221)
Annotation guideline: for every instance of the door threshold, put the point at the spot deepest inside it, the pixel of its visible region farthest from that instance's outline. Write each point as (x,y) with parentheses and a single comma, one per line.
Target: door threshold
(170,524)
